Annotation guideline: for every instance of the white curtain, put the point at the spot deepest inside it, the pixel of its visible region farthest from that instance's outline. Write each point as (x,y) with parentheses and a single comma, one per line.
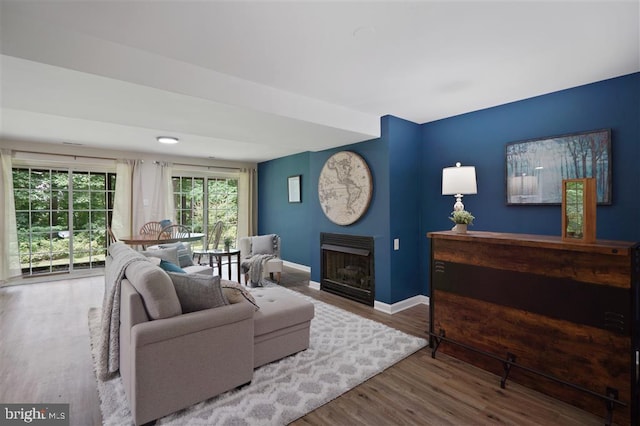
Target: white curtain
(162,205)
(137,198)
(247,203)
(128,178)
(9,248)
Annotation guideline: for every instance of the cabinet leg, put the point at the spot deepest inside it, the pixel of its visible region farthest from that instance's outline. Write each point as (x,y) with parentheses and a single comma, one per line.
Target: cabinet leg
(611,393)
(506,364)
(437,341)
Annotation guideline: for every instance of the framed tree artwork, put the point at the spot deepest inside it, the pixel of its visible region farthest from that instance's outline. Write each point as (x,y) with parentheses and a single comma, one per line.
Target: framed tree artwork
(536,168)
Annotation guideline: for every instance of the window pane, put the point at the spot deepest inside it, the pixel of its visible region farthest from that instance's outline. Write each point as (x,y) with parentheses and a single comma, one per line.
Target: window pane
(20,178)
(98,182)
(186,185)
(22,221)
(60,180)
(98,220)
(41,258)
(60,219)
(40,219)
(38,179)
(60,200)
(21,199)
(111,178)
(80,181)
(40,200)
(98,200)
(98,236)
(80,221)
(81,200)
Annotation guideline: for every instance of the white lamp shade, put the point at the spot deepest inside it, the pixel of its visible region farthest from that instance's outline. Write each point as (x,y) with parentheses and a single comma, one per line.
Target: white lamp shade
(459,180)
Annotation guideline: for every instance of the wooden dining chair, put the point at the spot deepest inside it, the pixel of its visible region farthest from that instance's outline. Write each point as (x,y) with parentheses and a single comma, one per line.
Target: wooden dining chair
(174,231)
(151,228)
(213,241)
(111,238)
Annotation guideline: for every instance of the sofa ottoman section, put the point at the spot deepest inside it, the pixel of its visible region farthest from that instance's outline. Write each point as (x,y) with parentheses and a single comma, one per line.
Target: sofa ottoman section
(281,326)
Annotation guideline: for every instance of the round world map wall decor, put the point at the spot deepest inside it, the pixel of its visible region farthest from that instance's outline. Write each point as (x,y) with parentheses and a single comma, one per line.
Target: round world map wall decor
(345,187)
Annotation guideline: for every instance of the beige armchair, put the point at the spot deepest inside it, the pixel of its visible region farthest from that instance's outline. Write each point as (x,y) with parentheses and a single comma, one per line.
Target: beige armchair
(265,245)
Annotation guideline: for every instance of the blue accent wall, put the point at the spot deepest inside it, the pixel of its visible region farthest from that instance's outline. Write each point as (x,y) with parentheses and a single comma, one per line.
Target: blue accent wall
(276,215)
(479,139)
(375,221)
(404,139)
(394,161)
(406,164)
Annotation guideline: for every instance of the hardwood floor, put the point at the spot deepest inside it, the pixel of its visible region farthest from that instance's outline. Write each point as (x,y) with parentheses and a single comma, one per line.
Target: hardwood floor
(45,358)
(44,346)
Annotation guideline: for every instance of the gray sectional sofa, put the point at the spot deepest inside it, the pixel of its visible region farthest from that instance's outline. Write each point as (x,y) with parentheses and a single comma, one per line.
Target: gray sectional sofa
(170,360)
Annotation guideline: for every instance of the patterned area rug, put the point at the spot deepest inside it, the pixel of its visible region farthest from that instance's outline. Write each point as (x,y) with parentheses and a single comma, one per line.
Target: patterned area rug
(345,350)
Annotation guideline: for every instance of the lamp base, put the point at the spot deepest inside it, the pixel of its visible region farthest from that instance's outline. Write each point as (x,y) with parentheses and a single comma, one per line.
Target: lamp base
(458,206)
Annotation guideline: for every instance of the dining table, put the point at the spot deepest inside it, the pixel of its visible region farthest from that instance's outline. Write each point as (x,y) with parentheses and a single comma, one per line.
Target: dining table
(146,240)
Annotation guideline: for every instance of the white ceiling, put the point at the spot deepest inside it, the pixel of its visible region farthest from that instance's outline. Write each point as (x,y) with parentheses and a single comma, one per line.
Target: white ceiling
(257,80)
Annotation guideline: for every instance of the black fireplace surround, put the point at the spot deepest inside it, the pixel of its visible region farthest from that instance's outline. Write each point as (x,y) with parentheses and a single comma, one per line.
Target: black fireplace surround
(347,265)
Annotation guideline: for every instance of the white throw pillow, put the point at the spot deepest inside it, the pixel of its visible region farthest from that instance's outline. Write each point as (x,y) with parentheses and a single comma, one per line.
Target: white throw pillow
(168,254)
(185,257)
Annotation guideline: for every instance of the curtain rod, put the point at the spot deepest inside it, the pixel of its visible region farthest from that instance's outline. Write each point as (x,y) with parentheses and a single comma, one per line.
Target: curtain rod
(201,165)
(74,156)
(116,159)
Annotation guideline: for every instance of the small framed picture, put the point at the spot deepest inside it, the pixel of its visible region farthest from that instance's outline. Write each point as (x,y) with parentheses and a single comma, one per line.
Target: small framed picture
(293,184)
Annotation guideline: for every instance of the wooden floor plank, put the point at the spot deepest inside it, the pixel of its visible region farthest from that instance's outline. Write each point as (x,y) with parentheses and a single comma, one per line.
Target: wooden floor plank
(45,358)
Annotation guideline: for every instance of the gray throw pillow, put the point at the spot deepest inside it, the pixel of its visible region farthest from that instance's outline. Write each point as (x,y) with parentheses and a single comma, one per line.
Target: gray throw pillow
(168,254)
(185,257)
(197,292)
(156,289)
(262,244)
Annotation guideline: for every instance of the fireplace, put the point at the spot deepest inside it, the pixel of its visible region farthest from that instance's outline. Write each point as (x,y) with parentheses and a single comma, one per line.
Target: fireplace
(347,266)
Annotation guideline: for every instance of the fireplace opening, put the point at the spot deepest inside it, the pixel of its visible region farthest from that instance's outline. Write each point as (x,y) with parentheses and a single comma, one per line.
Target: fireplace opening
(347,266)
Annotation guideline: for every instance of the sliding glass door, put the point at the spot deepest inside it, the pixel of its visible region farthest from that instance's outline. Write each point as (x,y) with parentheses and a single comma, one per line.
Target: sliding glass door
(202,201)
(62,217)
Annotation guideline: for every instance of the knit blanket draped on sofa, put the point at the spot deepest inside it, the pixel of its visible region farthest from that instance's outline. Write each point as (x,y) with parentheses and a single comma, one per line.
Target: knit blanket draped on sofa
(119,257)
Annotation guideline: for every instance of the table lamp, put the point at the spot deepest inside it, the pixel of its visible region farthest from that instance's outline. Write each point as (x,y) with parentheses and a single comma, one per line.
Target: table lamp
(459,181)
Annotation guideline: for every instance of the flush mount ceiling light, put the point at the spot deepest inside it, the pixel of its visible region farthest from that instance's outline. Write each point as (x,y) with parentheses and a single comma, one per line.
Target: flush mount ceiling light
(167,139)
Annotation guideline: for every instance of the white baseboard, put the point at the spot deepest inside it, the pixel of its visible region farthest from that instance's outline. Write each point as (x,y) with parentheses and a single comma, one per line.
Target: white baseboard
(401,305)
(297,266)
(312,284)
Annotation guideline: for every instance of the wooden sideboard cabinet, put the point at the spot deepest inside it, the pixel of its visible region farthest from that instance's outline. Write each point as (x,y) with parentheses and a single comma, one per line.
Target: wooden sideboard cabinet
(558,317)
